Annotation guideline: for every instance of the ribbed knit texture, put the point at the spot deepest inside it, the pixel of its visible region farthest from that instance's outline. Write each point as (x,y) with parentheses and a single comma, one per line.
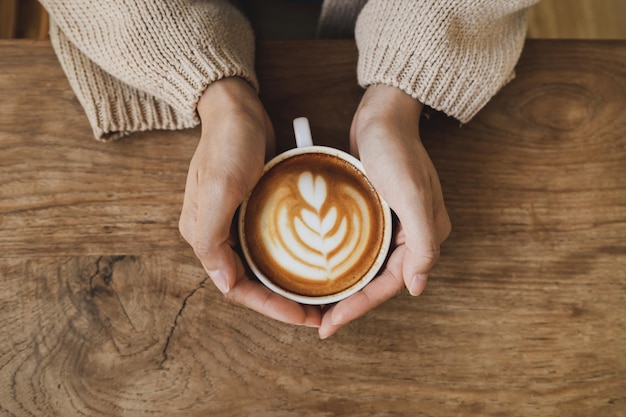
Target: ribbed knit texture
(139,65)
(142,65)
(451,55)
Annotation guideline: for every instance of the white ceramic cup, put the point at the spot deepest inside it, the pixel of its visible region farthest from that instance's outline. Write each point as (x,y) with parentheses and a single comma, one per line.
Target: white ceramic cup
(305,144)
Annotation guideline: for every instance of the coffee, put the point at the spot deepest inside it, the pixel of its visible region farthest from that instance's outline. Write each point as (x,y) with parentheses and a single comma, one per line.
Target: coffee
(314,225)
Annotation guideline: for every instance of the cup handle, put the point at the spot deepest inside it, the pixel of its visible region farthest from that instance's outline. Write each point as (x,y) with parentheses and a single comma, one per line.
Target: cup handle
(302,130)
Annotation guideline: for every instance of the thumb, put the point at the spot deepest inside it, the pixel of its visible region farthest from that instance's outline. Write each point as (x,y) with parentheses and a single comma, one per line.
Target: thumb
(422,245)
(416,266)
(211,241)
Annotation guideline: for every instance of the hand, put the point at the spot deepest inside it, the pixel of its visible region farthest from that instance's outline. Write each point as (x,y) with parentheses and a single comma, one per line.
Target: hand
(228,162)
(385,135)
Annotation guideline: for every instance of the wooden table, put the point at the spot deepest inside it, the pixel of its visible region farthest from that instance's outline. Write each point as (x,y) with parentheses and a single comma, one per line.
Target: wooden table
(104,310)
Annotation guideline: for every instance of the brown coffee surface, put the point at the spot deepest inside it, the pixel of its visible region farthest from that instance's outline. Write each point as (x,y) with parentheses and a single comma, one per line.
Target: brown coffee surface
(314,224)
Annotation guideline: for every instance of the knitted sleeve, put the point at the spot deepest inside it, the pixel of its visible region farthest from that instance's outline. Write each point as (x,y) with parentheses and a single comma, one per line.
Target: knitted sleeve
(452,55)
(139,65)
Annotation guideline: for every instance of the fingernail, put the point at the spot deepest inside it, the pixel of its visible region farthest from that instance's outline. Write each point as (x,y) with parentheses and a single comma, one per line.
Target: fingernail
(328,332)
(311,323)
(417,284)
(220,280)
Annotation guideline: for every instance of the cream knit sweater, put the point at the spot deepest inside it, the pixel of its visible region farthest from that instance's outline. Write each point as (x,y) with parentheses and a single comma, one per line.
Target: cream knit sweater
(139,65)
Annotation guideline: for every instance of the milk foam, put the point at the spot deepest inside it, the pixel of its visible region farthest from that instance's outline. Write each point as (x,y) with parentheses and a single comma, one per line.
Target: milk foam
(311,236)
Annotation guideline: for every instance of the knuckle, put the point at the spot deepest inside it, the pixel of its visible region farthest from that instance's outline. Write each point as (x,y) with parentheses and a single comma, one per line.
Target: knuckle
(183,229)
(430,253)
(446,228)
(443,225)
(202,248)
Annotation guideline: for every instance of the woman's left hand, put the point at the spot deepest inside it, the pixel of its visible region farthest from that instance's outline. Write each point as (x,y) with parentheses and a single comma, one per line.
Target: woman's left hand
(385,136)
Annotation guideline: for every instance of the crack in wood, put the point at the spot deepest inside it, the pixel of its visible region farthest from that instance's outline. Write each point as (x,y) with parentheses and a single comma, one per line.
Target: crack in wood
(178,315)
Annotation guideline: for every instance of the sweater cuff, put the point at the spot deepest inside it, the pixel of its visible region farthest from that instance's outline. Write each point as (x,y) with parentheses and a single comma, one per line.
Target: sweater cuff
(114,109)
(147,76)
(448,58)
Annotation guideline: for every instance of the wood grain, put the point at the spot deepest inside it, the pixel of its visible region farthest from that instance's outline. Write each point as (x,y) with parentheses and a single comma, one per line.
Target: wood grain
(104,311)
(62,187)
(578,19)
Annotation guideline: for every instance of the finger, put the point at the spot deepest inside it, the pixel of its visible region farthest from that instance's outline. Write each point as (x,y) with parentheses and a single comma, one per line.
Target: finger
(409,190)
(385,286)
(417,283)
(211,235)
(422,244)
(354,147)
(419,261)
(444,226)
(259,298)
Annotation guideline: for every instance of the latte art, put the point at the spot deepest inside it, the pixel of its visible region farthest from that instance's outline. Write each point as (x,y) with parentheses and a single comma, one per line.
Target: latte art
(313,225)
(320,241)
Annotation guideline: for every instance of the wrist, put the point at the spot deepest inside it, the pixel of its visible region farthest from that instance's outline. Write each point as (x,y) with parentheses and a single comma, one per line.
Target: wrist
(231,95)
(233,104)
(385,100)
(384,105)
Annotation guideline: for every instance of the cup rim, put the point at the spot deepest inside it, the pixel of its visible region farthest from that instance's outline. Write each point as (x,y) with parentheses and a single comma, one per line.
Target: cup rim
(361,283)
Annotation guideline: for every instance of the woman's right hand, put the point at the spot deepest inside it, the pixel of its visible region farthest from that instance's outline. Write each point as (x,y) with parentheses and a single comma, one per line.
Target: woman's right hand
(236,137)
